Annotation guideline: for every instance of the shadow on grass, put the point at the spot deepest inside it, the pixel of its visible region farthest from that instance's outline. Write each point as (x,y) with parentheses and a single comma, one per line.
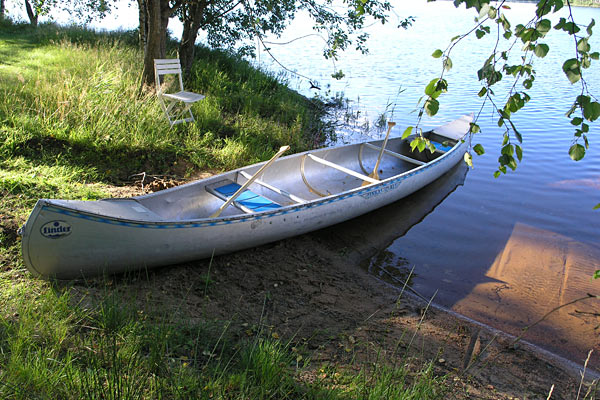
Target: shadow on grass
(114,164)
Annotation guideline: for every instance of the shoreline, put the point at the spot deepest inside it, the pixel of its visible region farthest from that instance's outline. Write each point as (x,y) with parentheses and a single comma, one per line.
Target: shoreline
(312,292)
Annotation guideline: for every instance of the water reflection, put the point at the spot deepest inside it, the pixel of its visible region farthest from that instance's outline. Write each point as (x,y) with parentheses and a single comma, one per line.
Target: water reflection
(374,232)
(537,271)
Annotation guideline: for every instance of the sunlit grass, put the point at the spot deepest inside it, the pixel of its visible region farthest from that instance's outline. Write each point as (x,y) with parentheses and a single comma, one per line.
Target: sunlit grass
(105,344)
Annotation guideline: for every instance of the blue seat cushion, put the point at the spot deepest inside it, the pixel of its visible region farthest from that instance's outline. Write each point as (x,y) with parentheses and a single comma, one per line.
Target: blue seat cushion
(247,198)
(440,146)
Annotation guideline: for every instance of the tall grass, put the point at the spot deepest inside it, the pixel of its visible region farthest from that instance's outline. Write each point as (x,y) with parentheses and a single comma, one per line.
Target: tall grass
(76,92)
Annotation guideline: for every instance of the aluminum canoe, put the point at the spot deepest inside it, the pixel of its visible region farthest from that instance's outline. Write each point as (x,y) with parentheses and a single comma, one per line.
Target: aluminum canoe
(67,239)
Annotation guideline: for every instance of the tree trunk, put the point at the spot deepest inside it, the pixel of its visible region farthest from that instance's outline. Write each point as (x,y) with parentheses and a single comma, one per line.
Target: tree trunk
(1,9)
(192,21)
(143,20)
(33,17)
(158,13)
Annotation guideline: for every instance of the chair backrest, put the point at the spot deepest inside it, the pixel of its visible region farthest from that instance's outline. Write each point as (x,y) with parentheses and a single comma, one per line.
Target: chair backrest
(164,67)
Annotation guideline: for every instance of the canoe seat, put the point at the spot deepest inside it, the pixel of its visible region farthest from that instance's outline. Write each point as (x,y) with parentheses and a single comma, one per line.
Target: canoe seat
(440,147)
(247,201)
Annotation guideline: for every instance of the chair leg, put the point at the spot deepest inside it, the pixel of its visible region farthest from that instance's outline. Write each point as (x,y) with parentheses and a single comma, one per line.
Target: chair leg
(174,118)
(188,108)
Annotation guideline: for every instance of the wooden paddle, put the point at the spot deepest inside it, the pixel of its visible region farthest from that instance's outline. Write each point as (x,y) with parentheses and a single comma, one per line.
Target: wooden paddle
(375,174)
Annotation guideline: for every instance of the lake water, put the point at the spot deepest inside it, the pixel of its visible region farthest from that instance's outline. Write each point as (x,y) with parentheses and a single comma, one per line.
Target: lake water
(501,251)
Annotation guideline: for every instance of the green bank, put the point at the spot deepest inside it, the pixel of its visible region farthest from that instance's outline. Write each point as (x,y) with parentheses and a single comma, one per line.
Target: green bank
(73,123)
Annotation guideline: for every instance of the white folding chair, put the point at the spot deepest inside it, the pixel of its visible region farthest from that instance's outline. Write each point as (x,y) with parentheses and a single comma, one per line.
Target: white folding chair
(168,101)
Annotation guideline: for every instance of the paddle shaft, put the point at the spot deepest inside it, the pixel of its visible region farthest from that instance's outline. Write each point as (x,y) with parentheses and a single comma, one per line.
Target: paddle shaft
(387,136)
(374,174)
(282,150)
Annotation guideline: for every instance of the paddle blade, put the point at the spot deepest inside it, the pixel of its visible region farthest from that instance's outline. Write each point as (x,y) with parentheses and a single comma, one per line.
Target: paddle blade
(373,175)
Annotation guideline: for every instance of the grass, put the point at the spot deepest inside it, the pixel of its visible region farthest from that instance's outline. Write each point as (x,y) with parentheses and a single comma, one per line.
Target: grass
(73,123)
(106,345)
(586,3)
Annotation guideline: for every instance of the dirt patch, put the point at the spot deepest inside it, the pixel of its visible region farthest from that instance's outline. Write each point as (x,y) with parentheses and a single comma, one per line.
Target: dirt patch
(305,290)
(143,183)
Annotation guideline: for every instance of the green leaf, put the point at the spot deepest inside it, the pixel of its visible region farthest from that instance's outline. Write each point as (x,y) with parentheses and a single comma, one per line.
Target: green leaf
(583,46)
(597,273)
(543,8)
(432,106)
(482,92)
(496,174)
(576,121)
(597,207)
(558,4)
(507,35)
(338,75)
(414,143)
(519,152)
(508,150)
(571,28)
(590,26)
(407,132)
(484,11)
(436,87)
(479,149)
(474,128)
(469,160)
(517,134)
(430,88)
(422,144)
(571,69)
(591,111)
(541,50)
(437,54)
(447,64)
(430,146)
(543,26)
(505,23)
(577,152)
(585,128)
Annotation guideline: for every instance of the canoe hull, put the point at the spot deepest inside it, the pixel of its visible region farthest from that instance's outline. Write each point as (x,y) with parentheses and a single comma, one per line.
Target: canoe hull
(65,243)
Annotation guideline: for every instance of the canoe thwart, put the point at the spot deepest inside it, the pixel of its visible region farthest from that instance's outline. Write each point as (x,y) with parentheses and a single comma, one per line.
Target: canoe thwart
(343,169)
(331,165)
(247,201)
(386,152)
